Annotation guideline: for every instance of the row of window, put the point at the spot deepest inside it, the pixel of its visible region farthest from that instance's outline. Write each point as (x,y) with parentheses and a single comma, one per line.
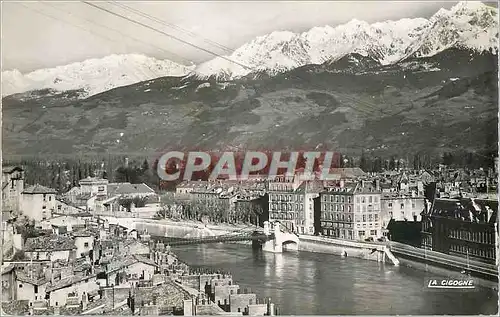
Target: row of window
(348,225)
(348,217)
(335,207)
(337,198)
(480,237)
(288,207)
(284,215)
(402,205)
(336,225)
(488,253)
(359,208)
(284,197)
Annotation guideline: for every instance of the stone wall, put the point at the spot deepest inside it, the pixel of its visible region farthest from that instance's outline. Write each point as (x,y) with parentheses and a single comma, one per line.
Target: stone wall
(355,249)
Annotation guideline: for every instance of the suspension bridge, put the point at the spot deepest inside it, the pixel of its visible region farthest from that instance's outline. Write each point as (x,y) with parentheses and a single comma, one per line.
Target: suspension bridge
(273,238)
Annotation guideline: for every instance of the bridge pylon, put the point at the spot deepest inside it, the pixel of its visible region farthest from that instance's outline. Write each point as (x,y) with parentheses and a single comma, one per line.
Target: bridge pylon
(282,240)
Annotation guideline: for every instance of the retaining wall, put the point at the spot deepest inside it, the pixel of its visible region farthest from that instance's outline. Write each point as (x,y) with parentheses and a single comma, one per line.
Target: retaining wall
(367,251)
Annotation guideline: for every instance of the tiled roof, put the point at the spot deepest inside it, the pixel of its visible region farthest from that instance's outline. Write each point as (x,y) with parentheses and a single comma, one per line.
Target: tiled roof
(11,169)
(121,262)
(49,243)
(23,277)
(83,233)
(8,269)
(466,209)
(127,188)
(93,180)
(39,189)
(68,281)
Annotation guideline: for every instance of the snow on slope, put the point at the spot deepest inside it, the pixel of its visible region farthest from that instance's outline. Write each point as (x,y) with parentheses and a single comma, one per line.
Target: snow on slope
(93,75)
(471,25)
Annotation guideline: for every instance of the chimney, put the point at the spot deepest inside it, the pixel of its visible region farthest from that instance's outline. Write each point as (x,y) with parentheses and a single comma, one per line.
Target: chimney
(342,183)
(377,184)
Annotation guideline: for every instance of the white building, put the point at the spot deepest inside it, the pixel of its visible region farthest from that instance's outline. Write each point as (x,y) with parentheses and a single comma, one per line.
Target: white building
(94,186)
(50,248)
(12,187)
(38,202)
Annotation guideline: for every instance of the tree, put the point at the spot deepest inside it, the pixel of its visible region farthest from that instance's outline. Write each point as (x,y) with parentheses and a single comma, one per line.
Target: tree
(447,159)
(392,163)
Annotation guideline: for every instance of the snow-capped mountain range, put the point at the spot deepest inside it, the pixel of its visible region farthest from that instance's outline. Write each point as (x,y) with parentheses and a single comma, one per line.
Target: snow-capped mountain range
(93,75)
(469,25)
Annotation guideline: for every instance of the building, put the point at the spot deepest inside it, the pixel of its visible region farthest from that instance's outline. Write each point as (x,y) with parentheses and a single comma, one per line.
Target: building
(84,243)
(400,207)
(8,283)
(94,186)
(129,270)
(308,191)
(38,202)
(351,211)
(30,286)
(286,202)
(12,187)
(464,227)
(50,248)
(128,190)
(72,290)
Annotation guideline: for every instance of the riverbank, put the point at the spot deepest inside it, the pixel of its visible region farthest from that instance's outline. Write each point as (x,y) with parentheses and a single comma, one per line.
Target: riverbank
(372,251)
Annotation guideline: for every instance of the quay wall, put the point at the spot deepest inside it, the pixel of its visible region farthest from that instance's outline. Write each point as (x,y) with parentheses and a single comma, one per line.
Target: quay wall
(362,250)
(413,255)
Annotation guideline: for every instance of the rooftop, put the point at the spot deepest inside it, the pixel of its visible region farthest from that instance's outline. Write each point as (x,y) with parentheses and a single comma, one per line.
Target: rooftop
(127,188)
(49,243)
(33,280)
(39,189)
(68,281)
(11,169)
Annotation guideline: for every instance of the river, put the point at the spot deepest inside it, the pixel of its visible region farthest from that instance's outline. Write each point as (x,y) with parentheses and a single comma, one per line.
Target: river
(321,284)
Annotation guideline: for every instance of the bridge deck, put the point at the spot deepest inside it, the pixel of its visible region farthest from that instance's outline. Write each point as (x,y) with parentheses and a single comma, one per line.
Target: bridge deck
(215,239)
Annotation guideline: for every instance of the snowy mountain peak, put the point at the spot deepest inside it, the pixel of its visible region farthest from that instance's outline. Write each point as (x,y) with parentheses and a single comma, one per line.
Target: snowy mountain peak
(93,75)
(469,24)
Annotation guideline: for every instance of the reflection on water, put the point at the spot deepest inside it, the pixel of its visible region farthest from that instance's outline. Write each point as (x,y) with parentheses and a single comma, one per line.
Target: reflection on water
(311,283)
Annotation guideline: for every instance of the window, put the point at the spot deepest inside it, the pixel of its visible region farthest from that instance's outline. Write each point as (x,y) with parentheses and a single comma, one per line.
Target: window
(361,233)
(20,285)
(402,206)
(86,244)
(36,289)
(364,218)
(50,198)
(390,205)
(373,232)
(370,199)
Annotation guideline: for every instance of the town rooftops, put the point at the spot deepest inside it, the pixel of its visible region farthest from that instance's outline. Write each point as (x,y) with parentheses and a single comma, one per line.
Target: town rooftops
(93,180)
(33,280)
(466,209)
(39,189)
(7,269)
(119,263)
(65,282)
(127,189)
(11,169)
(49,243)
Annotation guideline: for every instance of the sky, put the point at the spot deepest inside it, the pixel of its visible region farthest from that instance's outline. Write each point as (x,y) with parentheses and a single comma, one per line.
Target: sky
(48,34)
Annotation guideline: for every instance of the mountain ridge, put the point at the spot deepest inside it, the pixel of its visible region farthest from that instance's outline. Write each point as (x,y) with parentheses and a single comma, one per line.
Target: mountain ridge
(468,25)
